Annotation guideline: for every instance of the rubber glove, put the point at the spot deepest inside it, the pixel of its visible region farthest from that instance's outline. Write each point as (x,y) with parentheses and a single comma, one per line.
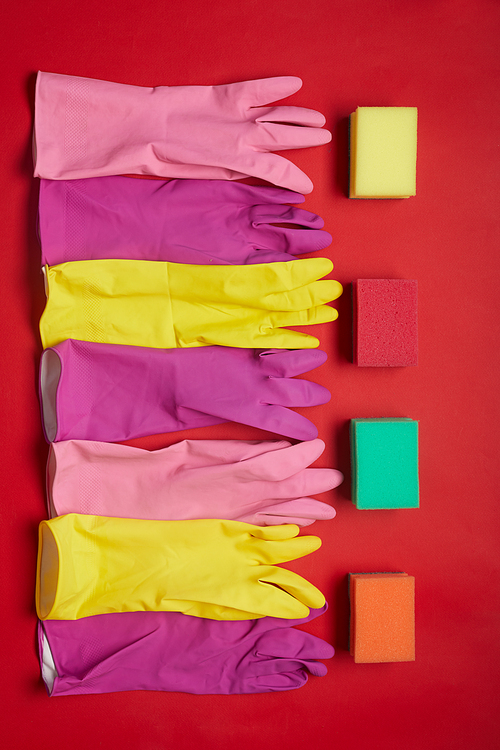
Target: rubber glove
(222,570)
(172,305)
(110,392)
(203,222)
(169,651)
(263,483)
(90,128)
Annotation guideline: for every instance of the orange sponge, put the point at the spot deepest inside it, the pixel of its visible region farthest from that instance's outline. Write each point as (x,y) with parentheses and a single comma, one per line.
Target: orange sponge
(382,626)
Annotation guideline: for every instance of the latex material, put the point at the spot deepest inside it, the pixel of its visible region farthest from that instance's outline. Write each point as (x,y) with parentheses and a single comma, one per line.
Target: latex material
(173,305)
(263,483)
(169,651)
(110,392)
(182,221)
(222,570)
(90,128)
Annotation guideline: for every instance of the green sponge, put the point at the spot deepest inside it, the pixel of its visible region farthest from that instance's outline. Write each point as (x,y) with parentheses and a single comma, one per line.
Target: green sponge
(384,461)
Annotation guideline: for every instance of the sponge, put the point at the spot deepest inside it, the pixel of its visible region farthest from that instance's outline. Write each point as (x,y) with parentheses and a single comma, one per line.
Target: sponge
(382,621)
(385,322)
(383,152)
(384,461)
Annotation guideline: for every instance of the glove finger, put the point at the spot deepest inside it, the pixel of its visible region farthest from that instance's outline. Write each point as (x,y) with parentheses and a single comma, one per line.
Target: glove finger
(255,196)
(290,644)
(313,481)
(283,338)
(303,317)
(279,420)
(291,590)
(280,623)
(207,172)
(305,483)
(300,241)
(275,623)
(274,683)
(289,116)
(275,169)
(284,278)
(207,453)
(257,255)
(301,512)
(292,460)
(291,392)
(262,519)
(273,332)
(283,364)
(287,239)
(304,239)
(271,600)
(254,288)
(266,90)
(273,667)
(303,299)
(270,213)
(274,136)
(275,549)
(284,461)
(279,534)
(289,660)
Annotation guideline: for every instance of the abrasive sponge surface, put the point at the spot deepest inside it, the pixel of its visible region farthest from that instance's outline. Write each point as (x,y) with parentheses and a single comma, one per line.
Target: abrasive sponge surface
(382,617)
(384,462)
(385,322)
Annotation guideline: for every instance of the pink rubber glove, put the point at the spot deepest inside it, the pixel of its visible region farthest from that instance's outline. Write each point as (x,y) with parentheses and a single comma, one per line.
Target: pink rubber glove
(262,483)
(90,128)
(182,221)
(112,392)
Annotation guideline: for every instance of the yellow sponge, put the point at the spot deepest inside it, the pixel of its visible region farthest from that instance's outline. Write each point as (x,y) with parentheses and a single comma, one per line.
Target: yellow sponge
(383,152)
(382,623)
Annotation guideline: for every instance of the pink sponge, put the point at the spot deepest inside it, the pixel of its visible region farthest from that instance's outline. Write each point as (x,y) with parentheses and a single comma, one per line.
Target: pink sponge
(385,322)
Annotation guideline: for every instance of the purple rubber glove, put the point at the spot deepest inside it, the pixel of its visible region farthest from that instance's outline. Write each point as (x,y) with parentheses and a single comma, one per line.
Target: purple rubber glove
(90,128)
(263,483)
(177,653)
(112,393)
(182,221)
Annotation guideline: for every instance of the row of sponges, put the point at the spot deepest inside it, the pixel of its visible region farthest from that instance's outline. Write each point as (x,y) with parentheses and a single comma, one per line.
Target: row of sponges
(384,452)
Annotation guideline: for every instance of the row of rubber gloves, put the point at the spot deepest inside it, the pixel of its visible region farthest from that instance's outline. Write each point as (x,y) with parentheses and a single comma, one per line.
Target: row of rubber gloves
(86,128)
(76,549)
(184,586)
(97,391)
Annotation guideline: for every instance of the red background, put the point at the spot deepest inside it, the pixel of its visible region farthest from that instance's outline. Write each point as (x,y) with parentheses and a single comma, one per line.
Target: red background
(443,57)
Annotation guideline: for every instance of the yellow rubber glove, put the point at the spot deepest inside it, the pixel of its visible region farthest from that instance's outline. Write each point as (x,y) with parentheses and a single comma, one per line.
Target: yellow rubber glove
(169,305)
(221,570)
